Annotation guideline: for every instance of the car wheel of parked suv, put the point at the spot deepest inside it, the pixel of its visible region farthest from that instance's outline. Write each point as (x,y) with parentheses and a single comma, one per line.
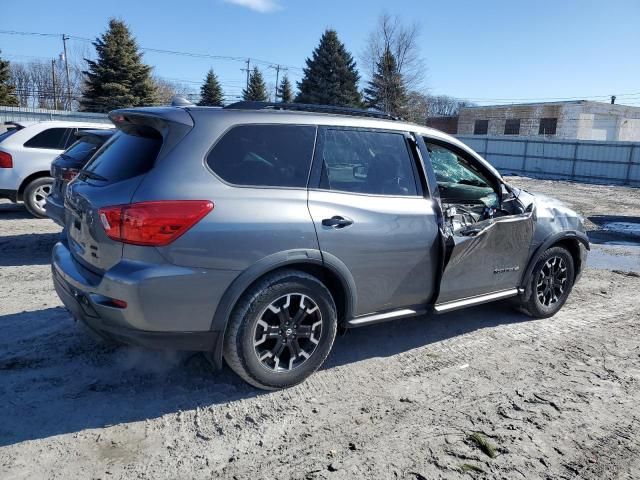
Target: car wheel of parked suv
(281,330)
(35,196)
(551,282)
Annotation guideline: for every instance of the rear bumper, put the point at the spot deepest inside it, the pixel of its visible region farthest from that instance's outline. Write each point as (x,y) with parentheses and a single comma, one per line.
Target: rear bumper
(158,314)
(55,210)
(81,308)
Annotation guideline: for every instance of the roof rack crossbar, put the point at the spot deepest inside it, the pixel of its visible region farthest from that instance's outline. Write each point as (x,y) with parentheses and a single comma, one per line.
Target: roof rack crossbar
(305,107)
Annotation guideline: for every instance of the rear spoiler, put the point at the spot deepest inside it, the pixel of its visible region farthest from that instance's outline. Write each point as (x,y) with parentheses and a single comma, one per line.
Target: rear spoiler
(14,125)
(154,117)
(171,123)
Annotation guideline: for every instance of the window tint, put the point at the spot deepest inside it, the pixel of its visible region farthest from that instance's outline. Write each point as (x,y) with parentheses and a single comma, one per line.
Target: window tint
(8,133)
(51,138)
(548,126)
(512,126)
(125,156)
(367,162)
(82,150)
(264,155)
(481,127)
(457,180)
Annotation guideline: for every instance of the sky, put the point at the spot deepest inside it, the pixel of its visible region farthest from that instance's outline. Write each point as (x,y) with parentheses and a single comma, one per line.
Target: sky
(495,51)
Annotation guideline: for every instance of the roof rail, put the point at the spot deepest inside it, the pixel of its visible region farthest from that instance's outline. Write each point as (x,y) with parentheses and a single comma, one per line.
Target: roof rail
(305,107)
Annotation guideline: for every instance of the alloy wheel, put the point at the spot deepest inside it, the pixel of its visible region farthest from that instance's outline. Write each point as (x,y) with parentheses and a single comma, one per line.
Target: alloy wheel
(40,195)
(287,332)
(552,280)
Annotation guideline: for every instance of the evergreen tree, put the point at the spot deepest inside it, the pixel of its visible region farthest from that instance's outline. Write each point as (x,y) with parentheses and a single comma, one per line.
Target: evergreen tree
(7,90)
(330,77)
(118,78)
(386,90)
(284,91)
(257,89)
(211,91)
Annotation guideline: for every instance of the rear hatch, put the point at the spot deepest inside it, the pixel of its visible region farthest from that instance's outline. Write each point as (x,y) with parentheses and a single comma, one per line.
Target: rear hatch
(112,176)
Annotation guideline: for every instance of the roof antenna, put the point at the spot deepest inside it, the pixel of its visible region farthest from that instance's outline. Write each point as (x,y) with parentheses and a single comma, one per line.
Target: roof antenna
(178,101)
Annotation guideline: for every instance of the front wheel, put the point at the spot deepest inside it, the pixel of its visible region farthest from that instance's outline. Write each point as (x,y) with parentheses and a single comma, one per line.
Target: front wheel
(35,196)
(281,331)
(550,283)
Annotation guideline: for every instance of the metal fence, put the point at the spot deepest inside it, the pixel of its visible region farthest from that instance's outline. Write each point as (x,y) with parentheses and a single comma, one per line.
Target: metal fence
(16,114)
(581,160)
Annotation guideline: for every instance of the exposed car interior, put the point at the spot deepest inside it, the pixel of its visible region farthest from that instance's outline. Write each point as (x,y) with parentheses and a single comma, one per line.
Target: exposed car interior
(469,199)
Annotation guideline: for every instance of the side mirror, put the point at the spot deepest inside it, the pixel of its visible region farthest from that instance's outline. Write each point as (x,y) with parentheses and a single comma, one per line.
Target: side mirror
(360,171)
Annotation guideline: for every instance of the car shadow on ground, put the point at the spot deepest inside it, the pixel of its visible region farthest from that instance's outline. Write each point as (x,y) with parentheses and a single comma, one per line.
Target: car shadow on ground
(27,249)
(55,378)
(15,211)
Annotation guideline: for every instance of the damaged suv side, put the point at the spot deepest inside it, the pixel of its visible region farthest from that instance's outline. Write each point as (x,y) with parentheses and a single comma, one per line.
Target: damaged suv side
(251,232)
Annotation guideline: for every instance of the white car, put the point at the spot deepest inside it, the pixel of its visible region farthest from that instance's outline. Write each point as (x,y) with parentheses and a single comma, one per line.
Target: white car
(26,153)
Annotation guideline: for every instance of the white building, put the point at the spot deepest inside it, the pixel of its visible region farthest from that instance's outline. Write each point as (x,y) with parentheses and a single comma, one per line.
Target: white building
(578,120)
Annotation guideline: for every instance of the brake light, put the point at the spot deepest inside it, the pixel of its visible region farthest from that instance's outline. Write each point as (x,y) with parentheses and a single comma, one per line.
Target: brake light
(152,223)
(6,161)
(69,174)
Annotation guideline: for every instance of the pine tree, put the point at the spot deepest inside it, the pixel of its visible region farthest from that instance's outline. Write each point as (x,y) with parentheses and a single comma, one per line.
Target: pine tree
(257,89)
(118,78)
(386,90)
(211,91)
(7,90)
(330,77)
(284,91)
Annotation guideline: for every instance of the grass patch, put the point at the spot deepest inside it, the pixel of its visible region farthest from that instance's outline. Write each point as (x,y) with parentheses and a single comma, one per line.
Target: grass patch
(469,467)
(483,444)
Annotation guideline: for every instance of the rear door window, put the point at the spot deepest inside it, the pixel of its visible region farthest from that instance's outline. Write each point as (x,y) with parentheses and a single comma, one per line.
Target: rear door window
(367,162)
(51,138)
(125,156)
(264,155)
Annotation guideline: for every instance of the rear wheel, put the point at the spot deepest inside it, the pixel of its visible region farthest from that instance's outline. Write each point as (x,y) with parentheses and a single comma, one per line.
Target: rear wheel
(550,284)
(35,196)
(281,331)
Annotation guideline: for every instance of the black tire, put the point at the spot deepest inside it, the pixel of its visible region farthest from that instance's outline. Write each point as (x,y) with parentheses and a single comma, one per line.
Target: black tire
(280,290)
(548,295)
(33,196)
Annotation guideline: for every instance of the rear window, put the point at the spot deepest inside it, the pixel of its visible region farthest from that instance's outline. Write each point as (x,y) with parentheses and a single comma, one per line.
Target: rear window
(82,150)
(264,155)
(7,134)
(125,156)
(52,138)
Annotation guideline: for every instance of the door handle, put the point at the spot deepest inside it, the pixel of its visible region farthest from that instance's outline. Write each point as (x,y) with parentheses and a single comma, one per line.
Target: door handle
(337,222)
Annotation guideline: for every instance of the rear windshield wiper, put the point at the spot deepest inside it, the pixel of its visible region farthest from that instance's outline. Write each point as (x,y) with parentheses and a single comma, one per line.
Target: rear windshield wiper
(92,176)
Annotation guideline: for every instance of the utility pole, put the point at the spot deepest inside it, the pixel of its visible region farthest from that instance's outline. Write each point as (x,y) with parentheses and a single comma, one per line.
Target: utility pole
(248,62)
(66,66)
(53,79)
(277,68)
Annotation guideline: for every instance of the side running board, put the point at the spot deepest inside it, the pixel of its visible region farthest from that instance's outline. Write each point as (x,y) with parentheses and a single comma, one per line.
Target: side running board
(467,302)
(383,317)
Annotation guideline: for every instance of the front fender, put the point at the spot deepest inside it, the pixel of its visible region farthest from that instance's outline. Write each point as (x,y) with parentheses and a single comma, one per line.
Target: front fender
(566,235)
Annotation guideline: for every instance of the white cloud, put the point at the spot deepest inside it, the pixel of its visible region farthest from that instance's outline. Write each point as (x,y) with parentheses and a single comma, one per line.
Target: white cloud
(262,6)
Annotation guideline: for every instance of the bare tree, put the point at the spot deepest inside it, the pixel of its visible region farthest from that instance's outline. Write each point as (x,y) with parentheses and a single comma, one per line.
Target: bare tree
(392,35)
(167,89)
(444,105)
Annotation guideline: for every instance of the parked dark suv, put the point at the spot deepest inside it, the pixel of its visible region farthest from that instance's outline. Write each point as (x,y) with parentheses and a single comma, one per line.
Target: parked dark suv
(252,232)
(67,166)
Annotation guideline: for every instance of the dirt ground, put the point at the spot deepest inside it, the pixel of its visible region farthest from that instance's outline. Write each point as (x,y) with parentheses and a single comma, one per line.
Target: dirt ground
(479,393)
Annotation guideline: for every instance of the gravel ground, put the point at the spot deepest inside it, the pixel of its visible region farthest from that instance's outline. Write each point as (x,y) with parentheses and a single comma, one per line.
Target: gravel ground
(479,393)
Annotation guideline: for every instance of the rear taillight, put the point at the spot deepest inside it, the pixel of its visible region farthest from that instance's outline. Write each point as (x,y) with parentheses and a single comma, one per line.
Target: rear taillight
(6,161)
(152,223)
(68,174)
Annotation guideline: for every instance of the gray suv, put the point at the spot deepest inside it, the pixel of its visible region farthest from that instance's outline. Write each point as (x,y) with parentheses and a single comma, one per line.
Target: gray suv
(253,231)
